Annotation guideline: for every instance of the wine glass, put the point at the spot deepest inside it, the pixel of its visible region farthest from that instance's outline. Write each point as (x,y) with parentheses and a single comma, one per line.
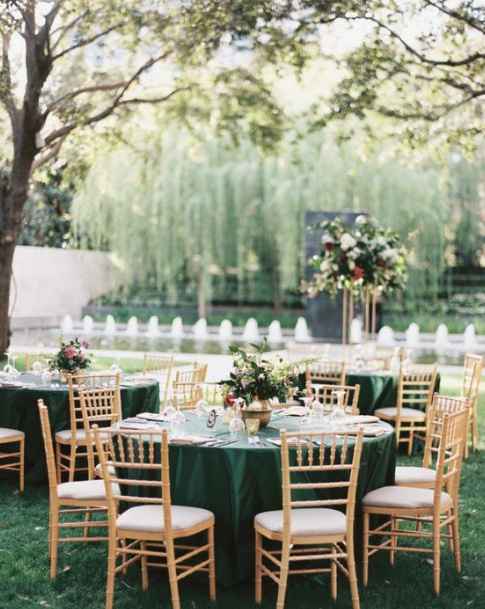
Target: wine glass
(201,408)
(339,411)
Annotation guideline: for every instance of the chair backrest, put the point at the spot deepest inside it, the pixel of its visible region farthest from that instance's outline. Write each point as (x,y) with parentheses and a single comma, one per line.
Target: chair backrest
(450,456)
(441,405)
(416,387)
(100,407)
(212,393)
(80,382)
(48,447)
(326,395)
(135,469)
(161,366)
(186,395)
(330,372)
(472,373)
(319,452)
(31,358)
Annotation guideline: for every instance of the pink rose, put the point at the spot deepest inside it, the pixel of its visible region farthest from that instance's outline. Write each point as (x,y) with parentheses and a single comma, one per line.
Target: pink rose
(70,352)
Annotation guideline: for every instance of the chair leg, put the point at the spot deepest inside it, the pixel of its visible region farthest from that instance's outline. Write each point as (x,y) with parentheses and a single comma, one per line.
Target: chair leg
(354,588)
(144,567)
(58,462)
(212,564)
(258,574)
(72,463)
(54,540)
(392,553)
(365,557)
(22,466)
(333,576)
(455,525)
(411,439)
(474,423)
(436,555)
(110,579)
(397,430)
(172,574)
(285,561)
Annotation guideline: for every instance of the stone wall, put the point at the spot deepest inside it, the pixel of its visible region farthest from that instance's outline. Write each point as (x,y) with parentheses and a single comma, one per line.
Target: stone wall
(49,283)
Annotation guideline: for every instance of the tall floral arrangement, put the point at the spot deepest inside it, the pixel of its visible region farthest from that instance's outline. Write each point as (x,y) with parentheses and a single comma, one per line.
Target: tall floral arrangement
(71,356)
(365,255)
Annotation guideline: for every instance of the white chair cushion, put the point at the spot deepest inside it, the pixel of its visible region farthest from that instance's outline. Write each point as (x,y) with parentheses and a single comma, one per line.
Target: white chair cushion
(65,435)
(85,489)
(5,433)
(404,497)
(406,413)
(417,475)
(305,522)
(149,518)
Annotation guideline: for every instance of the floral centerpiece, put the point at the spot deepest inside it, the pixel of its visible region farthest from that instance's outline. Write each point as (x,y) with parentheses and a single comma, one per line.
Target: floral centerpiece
(71,357)
(364,256)
(256,379)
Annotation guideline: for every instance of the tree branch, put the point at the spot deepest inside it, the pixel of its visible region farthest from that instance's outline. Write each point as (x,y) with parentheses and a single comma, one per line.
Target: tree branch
(473,23)
(6,95)
(49,154)
(87,41)
(64,29)
(77,92)
(66,129)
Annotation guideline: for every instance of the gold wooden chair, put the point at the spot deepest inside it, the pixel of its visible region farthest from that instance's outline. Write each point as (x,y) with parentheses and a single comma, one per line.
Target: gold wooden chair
(13,459)
(326,395)
(74,439)
(472,374)
(327,372)
(100,407)
(186,395)
(161,366)
(323,533)
(31,358)
(425,475)
(437,507)
(151,527)
(84,497)
(414,396)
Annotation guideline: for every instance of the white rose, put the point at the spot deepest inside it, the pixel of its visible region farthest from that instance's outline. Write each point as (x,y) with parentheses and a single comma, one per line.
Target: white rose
(325,266)
(390,254)
(351,264)
(347,242)
(361,220)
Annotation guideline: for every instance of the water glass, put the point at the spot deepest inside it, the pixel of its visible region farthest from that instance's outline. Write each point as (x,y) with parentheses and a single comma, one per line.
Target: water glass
(252,426)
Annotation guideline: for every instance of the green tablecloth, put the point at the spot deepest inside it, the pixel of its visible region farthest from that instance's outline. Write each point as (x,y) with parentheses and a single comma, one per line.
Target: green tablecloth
(238,481)
(18,410)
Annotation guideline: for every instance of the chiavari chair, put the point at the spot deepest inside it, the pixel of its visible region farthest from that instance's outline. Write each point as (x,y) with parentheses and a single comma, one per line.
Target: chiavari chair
(69,498)
(436,507)
(414,395)
(326,395)
(309,528)
(74,439)
(133,464)
(472,374)
(186,395)
(424,476)
(162,367)
(31,358)
(12,458)
(329,372)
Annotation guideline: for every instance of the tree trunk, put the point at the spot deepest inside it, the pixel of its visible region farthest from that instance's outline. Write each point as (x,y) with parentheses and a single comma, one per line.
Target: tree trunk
(6,259)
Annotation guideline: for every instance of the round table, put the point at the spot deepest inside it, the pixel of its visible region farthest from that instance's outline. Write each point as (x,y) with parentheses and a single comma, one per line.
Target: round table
(240,480)
(18,410)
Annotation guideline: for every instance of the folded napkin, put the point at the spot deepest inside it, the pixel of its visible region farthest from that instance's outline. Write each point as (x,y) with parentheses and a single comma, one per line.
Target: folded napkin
(363,418)
(189,439)
(368,430)
(136,423)
(152,416)
(296,411)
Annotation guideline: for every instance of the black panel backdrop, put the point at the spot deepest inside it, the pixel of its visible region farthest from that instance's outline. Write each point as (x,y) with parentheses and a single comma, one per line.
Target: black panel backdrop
(324,313)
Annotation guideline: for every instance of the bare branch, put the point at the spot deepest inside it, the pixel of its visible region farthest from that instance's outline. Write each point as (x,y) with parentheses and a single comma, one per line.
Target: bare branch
(64,29)
(83,90)
(423,58)
(49,154)
(6,95)
(152,100)
(95,118)
(87,41)
(473,23)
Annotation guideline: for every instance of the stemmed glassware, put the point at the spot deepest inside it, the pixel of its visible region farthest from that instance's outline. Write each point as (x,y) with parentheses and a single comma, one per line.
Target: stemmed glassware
(9,369)
(236,424)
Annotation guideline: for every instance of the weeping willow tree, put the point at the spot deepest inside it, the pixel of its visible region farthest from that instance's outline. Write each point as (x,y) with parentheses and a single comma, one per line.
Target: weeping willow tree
(188,213)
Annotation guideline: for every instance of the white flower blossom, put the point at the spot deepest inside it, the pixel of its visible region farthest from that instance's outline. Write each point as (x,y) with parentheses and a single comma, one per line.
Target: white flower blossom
(347,242)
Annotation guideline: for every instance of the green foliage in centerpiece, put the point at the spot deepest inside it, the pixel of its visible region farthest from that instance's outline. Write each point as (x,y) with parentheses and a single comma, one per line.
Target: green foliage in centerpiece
(364,256)
(255,377)
(71,356)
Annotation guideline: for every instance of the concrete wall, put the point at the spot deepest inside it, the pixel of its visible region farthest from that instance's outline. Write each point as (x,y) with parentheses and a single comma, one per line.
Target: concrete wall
(49,283)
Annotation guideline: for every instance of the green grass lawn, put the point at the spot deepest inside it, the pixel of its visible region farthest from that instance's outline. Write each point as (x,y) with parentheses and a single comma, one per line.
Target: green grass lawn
(82,568)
